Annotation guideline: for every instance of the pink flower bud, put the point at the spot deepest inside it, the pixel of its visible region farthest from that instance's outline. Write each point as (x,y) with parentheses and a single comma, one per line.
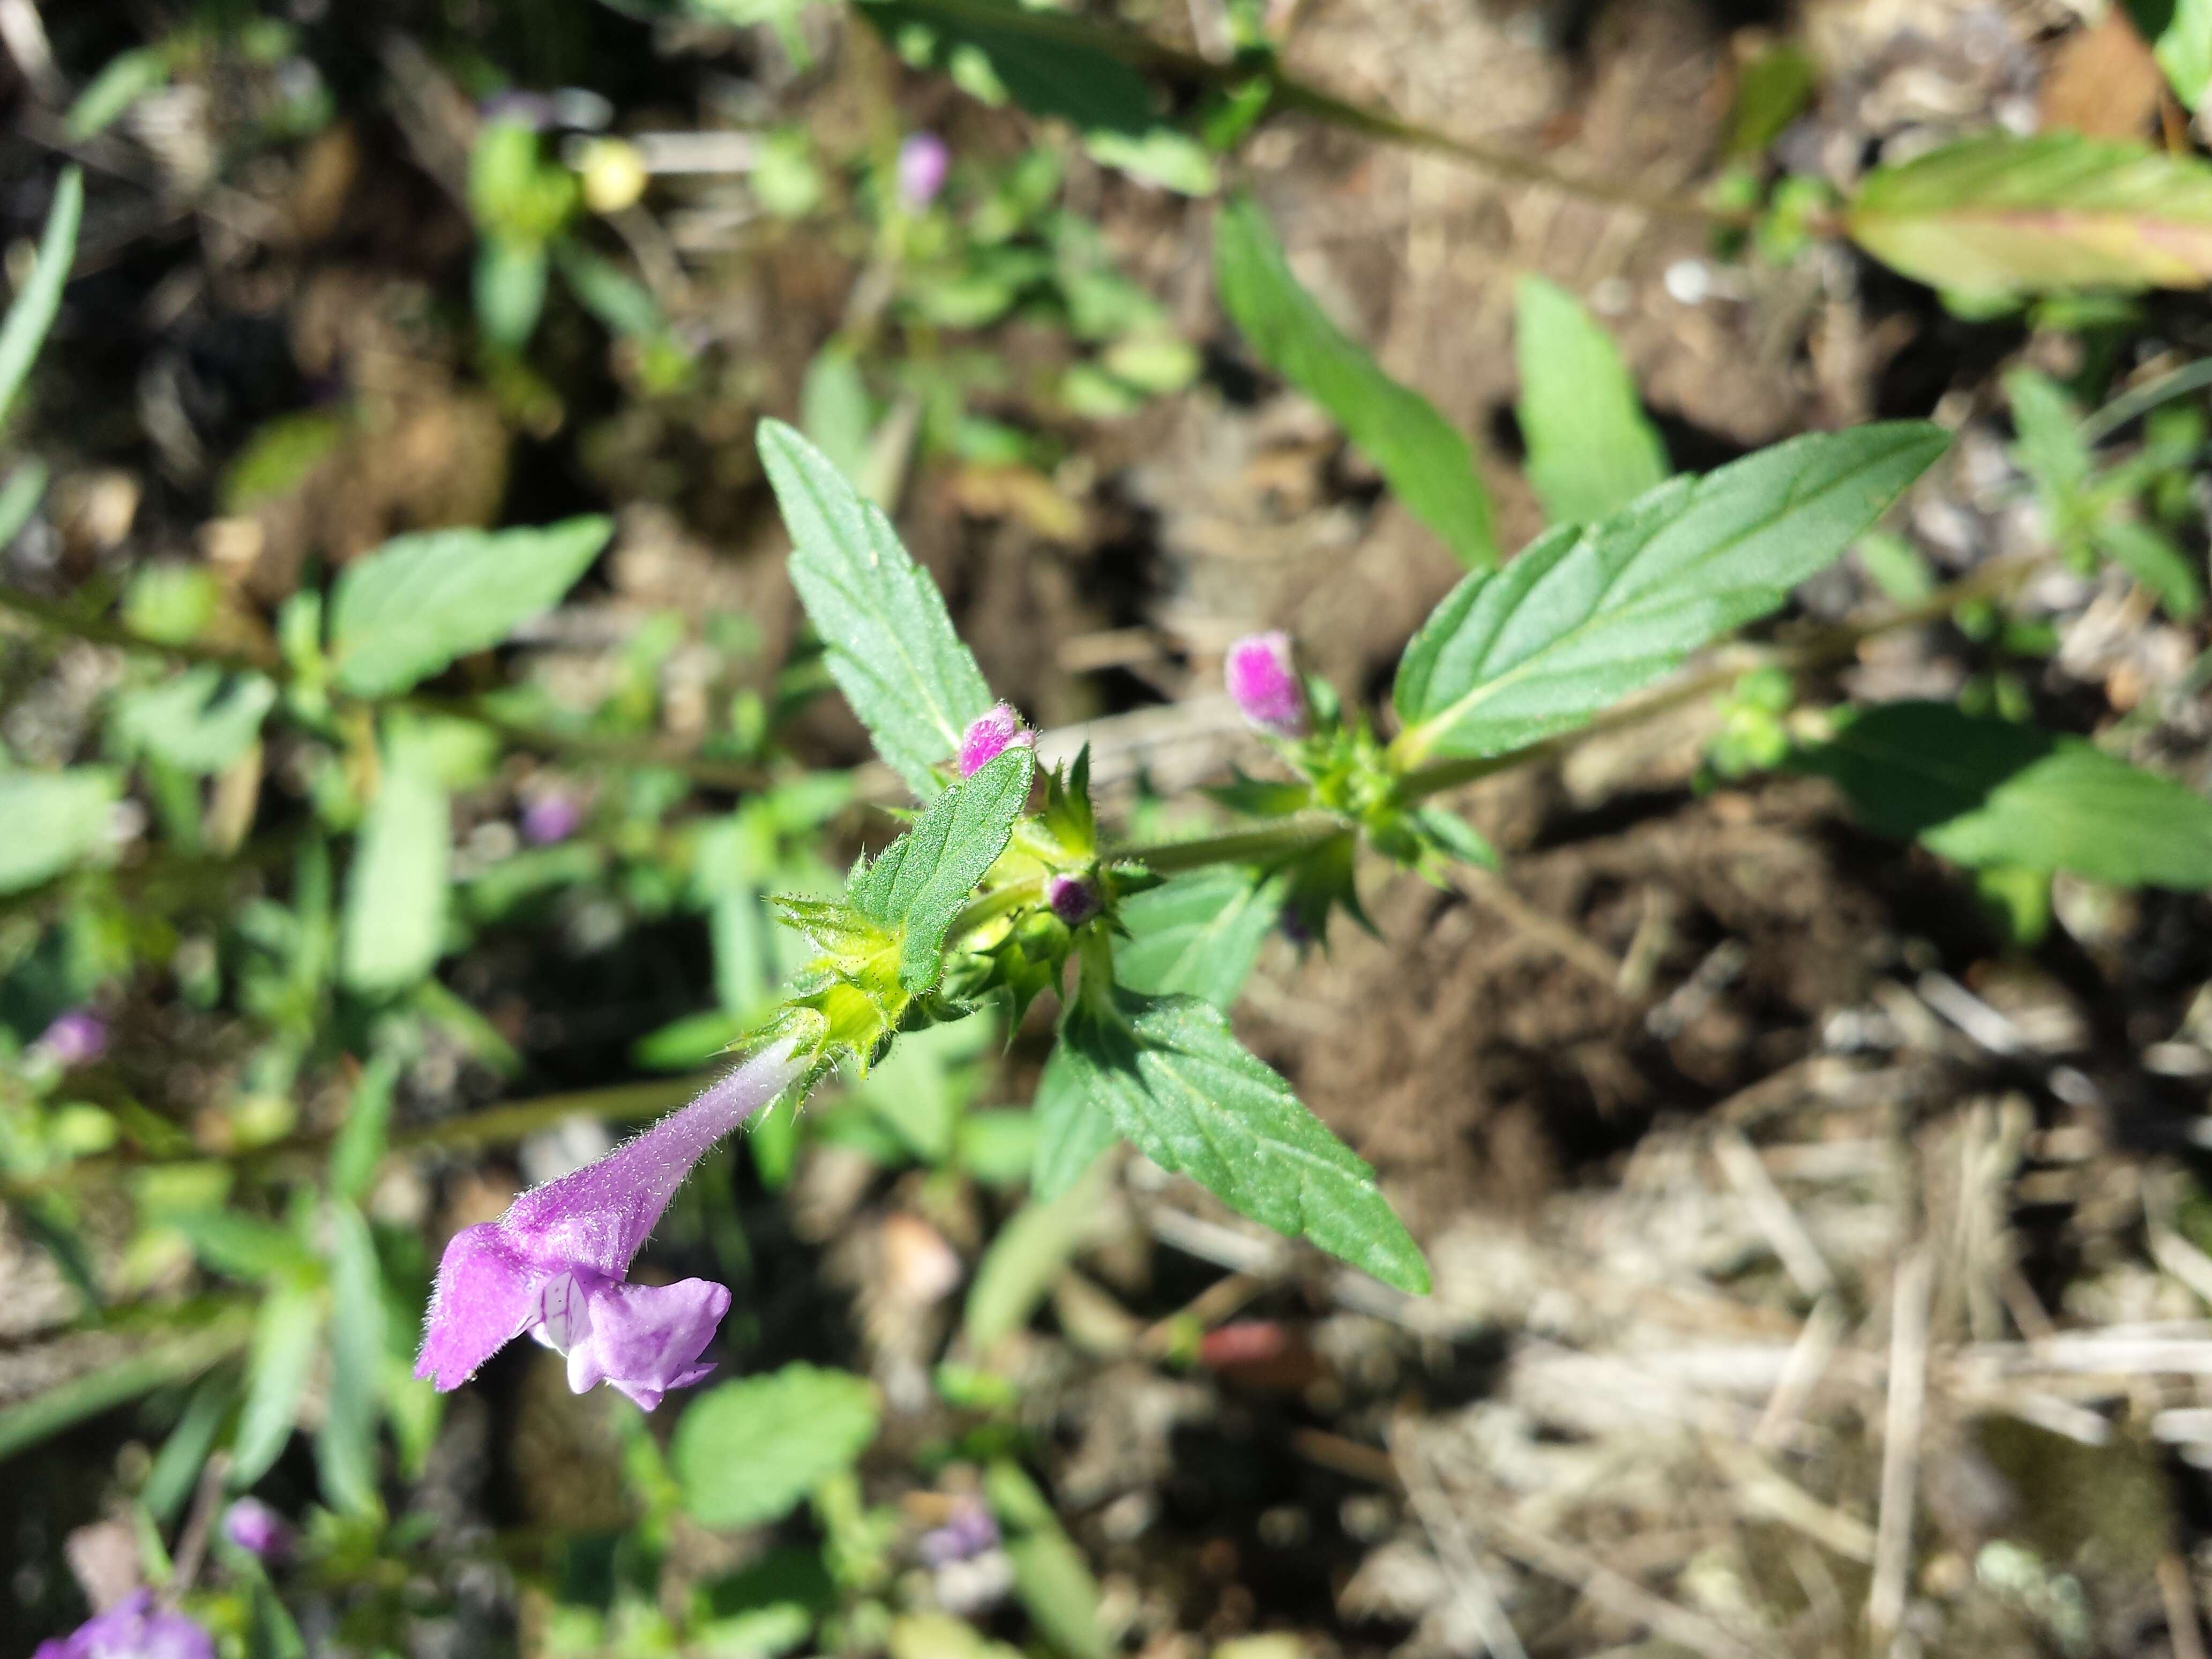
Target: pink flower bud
(1073,899)
(924,160)
(551,818)
(76,1038)
(258,1529)
(989,736)
(1266,686)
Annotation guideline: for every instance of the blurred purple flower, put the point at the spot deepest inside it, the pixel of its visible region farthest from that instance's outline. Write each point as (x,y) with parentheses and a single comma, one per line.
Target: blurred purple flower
(76,1038)
(133,1628)
(552,817)
(965,1534)
(258,1529)
(1073,899)
(989,736)
(555,1264)
(924,160)
(1265,684)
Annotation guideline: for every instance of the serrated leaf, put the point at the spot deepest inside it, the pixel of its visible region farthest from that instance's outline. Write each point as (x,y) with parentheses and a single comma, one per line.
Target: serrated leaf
(397,890)
(1997,216)
(32,315)
(1582,617)
(285,1335)
(1987,793)
(1072,1127)
(919,882)
(54,819)
(1591,451)
(1178,1084)
(1197,933)
(199,722)
(1426,458)
(345,1444)
(891,645)
(746,1452)
(405,611)
(1018,1268)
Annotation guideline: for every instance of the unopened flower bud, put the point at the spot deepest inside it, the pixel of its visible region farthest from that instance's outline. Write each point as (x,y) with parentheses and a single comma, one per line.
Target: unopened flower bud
(1266,686)
(258,1529)
(924,160)
(990,736)
(1073,899)
(551,818)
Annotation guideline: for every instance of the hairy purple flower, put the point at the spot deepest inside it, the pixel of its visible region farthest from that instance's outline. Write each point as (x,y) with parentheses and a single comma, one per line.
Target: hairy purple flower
(1265,684)
(76,1038)
(258,1529)
(990,735)
(556,1263)
(1073,899)
(552,817)
(133,1628)
(924,160)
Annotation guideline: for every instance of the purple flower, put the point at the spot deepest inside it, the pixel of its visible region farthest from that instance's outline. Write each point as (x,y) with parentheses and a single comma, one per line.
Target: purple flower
(1266,686)
(555,1264)
(989,736)
(133,1628)
(1073,899)
(76,1038)
(924,160)
(258,1529)
(966,1533)
(552,817)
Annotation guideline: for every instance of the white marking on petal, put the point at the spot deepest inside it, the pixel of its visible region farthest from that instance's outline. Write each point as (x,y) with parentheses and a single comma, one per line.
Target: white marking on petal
(565,1314)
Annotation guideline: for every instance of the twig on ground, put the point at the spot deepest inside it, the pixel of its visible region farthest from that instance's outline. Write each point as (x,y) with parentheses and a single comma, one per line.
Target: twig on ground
(1771,1212)
(1900,1452)
(1453,1546)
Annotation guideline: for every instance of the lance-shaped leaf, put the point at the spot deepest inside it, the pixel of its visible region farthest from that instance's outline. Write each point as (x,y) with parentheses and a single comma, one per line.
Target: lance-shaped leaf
(396,891)
(1426,458)
(1178,1084)
(33,312)
(891,645)
(918,884)
(1989,793)
(1995,217)
(1591,451)
(409,609)
(1582,617)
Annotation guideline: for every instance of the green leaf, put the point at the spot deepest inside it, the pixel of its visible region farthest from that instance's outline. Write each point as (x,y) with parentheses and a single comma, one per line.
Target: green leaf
(1995,217)
(33,314)
(1055,1585)
(54,819)
(2184,49)
(122,81)
(19,498)
(918,884)
(919,1089)
(176,1471)
(1051,66)
(163,1361)
(2153,558)
(1197,933)
(1591,451)
(200,721)
(891,645)
(1072,1127)
(243,1246)
(1018,1268)
(1582,617)
(360,1145)
(285,1334)
(345,1445)
(1426,458)
(1179,1084)
(397,889)
(747,1452)
(1987,793)
(409,609)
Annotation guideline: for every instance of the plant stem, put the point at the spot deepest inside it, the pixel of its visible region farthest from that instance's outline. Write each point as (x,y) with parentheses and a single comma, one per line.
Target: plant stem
(1286,93)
